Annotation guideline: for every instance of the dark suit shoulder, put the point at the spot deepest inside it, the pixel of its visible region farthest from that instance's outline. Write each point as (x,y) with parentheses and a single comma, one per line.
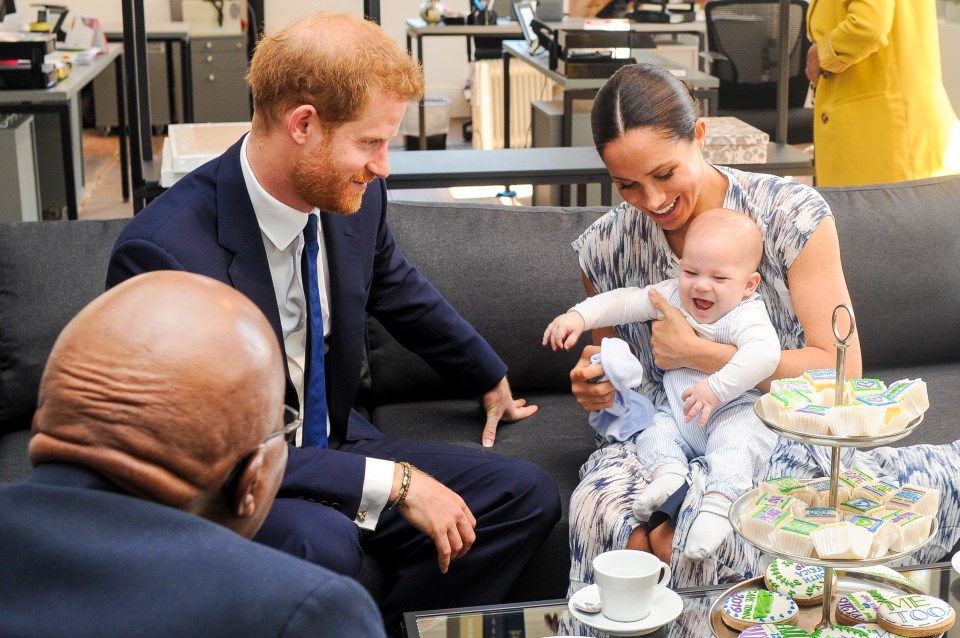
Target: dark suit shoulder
(157,571)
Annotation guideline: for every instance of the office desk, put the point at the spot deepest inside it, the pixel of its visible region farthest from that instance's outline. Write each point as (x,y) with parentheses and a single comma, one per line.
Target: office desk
(702,85)
(418,29)
(169,32)
(60,100)
(563,166)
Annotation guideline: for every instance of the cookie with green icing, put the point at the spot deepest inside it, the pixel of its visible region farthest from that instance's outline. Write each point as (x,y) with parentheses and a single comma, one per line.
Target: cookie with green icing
(916,615)
(803,583)
(747,607)
(841,631)
(775,630)
(862,606)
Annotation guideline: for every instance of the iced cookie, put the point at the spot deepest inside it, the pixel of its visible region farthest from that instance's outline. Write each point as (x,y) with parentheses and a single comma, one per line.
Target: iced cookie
(795,537)
(758,524)
(876,631)
(775,630)
(803,583)
(910,529)
(916,615)
(780,501)
(809,419)
(841,631)
(862,606)
(843,540)
(882,571)
(923,500)
(749,607)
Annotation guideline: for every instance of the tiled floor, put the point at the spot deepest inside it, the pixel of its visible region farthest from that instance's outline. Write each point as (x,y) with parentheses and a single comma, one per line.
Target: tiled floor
(102,197)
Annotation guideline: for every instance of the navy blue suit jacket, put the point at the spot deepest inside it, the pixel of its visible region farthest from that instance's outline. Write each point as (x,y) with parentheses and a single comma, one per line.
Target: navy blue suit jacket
(80,558)
(206,224)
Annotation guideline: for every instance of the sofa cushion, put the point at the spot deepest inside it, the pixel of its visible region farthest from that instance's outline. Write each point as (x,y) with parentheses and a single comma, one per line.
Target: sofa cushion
(528,261)
(899,244)
(557,438)
(50,271)
(939,424)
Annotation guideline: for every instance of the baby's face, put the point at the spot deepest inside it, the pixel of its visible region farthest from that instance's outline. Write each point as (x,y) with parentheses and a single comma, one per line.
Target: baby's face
(714,277)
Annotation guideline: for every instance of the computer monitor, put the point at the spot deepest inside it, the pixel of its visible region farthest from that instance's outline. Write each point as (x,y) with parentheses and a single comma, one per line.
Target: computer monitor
(525,15)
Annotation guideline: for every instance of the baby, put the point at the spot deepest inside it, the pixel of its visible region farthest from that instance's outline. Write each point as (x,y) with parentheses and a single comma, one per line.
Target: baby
(716,292)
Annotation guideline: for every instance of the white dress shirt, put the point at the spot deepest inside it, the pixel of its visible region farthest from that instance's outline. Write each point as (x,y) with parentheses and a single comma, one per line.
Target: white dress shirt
(282,230)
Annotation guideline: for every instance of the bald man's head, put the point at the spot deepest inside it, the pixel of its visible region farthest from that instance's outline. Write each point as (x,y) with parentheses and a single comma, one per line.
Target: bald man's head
(162,385)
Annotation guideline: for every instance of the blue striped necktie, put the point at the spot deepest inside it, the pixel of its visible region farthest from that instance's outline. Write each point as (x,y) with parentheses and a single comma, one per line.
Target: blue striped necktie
(315,402)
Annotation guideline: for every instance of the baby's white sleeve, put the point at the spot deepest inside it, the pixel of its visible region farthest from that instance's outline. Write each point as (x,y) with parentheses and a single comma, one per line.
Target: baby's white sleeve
(757,356)
(617,307)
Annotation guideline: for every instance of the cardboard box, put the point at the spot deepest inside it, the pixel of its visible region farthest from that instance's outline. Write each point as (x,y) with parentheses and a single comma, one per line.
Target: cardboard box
(733,141)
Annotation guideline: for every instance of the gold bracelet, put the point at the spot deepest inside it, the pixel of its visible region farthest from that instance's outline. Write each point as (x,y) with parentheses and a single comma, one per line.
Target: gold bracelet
(404,485)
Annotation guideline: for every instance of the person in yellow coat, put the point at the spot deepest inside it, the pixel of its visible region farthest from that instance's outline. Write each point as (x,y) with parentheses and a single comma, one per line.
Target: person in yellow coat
(881,113)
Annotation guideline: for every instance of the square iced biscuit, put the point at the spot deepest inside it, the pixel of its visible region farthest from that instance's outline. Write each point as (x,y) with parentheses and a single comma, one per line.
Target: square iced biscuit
(776,404)
(824,382)
(911,394)
(822,515)
(808,419)
(780,501)
(855,419)
(880,491)
(774,485)
(883,533)
(862,506)
(758,524)
(842,540)
(819,492)
(798,384)
(854,388)
(924,500)
(894,416)
(911,528)
(849,480)
(794,537)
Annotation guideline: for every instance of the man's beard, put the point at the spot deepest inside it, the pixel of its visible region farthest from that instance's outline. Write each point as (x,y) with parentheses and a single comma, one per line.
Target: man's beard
(319,181)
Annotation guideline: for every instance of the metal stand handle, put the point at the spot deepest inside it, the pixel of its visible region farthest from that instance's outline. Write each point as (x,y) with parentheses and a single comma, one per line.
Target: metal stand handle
(842,342)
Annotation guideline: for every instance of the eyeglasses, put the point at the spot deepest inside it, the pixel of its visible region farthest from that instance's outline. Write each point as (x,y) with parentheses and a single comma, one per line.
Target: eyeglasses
(291,423)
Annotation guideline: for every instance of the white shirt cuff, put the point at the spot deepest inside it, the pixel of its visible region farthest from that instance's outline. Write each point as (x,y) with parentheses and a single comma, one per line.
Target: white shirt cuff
(377,483)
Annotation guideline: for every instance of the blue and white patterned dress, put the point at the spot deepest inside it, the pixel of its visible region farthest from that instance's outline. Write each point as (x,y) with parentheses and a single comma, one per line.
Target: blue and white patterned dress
(626,248)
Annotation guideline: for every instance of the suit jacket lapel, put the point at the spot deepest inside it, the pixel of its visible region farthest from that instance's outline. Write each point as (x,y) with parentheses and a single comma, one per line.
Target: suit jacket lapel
(239,233)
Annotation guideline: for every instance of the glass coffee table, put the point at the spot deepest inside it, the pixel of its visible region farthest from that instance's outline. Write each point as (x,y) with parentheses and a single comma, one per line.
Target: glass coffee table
(551,617)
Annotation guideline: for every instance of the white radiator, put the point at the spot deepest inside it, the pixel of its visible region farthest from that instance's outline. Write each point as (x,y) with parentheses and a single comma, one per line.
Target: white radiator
(486,102)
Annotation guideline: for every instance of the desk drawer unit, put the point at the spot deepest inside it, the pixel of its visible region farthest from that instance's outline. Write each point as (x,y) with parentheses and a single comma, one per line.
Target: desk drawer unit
(220,92)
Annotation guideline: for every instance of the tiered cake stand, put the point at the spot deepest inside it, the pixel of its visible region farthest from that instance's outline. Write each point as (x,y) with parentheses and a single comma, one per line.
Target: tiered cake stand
(836,443)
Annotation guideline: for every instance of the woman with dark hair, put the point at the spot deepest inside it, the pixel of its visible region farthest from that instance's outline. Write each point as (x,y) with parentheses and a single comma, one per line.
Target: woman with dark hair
(647,131)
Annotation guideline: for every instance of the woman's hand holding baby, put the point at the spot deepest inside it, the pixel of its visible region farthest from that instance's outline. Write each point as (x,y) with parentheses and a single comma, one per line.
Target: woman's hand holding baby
(699,398)
(564,331)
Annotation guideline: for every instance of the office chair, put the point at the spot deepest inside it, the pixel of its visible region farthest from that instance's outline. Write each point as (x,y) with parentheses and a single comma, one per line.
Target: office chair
(743,50)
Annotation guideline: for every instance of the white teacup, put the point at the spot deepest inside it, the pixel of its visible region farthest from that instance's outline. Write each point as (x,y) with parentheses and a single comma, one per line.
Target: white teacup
(627,580)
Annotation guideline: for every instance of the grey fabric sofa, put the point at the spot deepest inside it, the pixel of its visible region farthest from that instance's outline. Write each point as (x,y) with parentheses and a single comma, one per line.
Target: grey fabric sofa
(509,271)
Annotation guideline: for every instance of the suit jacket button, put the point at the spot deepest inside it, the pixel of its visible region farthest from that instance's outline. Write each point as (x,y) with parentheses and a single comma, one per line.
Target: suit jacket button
(824,118)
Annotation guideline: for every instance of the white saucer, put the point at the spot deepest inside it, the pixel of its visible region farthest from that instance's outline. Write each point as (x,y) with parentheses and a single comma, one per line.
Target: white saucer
(955,561)
(666,606)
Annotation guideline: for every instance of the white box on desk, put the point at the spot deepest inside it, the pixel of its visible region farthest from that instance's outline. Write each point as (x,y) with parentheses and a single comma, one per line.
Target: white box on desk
(193,145)
(733,141)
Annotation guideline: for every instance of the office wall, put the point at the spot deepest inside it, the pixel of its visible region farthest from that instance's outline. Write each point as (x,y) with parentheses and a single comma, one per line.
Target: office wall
(445,58)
